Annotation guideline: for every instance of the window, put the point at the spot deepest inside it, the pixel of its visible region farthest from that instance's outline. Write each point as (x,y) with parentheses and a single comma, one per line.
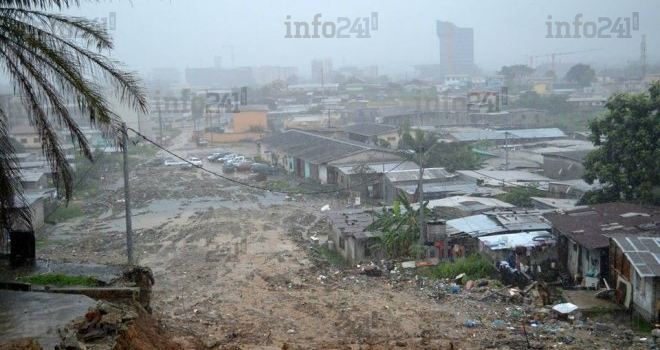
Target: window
(342,245)
(35,140)
(23,140)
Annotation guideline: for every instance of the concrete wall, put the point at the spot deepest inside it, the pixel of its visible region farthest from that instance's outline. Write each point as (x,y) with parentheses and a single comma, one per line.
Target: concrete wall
(573,257)
(644,296)
(30,141)
(231,136)
(241,122)
(323,174)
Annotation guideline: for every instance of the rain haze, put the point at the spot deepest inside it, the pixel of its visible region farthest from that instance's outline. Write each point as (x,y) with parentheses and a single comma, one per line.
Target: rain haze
(155,34)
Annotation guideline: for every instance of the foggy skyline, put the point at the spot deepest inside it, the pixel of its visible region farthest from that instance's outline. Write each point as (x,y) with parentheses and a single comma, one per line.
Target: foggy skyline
(157,34)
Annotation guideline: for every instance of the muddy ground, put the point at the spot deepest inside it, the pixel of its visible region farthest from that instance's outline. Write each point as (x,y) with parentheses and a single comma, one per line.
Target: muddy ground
(235,269)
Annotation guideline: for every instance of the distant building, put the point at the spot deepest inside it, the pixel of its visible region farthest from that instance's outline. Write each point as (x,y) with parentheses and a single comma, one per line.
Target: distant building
(456,49)
(267,74)
(321,70)
(26,136)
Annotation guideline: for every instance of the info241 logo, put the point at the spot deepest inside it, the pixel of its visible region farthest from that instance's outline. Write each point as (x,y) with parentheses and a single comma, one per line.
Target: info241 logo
(360,26)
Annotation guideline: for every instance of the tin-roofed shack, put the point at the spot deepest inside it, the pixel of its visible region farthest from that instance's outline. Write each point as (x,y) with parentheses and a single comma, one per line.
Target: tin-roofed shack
(584,234)
(635,274)
(349,236)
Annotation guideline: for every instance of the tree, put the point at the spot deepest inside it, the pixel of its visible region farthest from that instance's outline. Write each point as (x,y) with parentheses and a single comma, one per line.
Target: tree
(581,74)
(515,75)
(522,196)
(50,72)
(398,229)
(627,161)
(451,156)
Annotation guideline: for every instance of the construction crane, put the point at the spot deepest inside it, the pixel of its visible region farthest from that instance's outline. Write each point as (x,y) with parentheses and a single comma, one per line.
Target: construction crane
(555,54)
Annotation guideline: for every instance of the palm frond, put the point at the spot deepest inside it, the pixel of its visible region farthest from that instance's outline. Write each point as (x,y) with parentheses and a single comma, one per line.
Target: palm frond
(12,210)
(51,73)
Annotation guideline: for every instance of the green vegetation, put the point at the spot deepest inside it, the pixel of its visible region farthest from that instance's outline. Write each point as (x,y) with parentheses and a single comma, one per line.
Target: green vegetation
(515,75)
(521,196)
(475,266)
(49,72)
(60,280)
(284,186)
(554,104)
(628,159)
(64,213)
(332,257)
(581,74)
(259,159)
(398,229)
(639,324)
(451,156)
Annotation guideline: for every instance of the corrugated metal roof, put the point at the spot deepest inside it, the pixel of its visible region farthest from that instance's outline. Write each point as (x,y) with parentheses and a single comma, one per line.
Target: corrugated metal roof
(642,252)
(476,225)
(370,129)
(313,148)
(413,175)
(381,167)
(540,133)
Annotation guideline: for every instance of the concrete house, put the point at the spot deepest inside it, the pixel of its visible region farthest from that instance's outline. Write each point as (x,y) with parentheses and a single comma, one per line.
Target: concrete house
(349,236)
(309,156)
(438,183)
(635,273)
(373,134)
(583,235)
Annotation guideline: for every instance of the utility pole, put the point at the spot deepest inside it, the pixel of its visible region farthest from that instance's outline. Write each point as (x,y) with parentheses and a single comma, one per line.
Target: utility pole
(127,195)
(506,150)
(422,226)
(160,126)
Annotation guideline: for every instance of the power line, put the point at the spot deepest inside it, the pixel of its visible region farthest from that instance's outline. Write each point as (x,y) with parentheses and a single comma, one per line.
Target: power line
(253,186)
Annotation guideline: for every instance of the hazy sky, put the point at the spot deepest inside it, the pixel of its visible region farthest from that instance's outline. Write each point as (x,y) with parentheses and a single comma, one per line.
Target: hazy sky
(177,33)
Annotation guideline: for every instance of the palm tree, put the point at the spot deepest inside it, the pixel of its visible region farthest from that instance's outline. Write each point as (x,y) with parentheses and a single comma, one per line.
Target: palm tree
(49,72)
(398,228)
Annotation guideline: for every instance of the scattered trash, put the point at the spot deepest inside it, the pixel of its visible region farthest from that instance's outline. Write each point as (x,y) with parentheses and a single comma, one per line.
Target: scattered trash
(325,208)
(469,323)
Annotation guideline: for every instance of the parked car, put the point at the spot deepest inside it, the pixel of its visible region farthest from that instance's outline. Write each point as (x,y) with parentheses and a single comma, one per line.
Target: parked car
(195,161)
(244,165)
(235,160)
(172,161)
(215,157)
(228,168)
(264,169)
(186,166)
(227,158)
(202,142)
